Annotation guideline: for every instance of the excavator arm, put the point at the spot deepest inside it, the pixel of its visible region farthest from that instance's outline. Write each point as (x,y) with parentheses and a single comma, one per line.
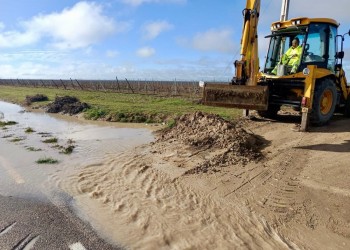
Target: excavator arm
(248,65)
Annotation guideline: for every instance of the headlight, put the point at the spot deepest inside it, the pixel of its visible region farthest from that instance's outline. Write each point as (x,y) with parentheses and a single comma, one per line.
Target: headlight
(296,22)
(306,71)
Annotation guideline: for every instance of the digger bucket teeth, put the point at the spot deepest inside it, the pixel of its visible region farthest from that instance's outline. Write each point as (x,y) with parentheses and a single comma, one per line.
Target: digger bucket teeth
(236,96)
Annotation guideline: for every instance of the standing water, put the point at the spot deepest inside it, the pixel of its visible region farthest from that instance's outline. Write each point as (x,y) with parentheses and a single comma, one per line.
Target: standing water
(22,176)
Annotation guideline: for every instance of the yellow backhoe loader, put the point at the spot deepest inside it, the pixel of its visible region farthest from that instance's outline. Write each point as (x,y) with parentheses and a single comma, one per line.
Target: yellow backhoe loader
(317,87)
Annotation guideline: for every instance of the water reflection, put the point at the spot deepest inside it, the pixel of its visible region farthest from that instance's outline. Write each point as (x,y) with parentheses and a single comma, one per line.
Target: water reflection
(71,129)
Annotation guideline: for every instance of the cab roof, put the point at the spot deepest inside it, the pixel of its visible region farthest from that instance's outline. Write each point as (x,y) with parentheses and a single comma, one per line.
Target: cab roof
(301,21)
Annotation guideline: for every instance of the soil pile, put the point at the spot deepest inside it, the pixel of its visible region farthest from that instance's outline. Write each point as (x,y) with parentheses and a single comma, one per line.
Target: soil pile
(67,105)
(202,132)
(36,98)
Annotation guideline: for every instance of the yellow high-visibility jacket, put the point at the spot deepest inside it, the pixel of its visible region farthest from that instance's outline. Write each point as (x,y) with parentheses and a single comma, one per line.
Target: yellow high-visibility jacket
(292,56)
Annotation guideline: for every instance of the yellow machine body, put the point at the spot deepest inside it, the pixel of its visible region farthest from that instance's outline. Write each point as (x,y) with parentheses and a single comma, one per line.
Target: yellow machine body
(318,71)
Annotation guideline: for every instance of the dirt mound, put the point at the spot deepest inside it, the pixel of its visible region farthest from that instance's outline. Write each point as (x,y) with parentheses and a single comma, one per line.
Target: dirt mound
(67,105)
(36,98)
(206,131)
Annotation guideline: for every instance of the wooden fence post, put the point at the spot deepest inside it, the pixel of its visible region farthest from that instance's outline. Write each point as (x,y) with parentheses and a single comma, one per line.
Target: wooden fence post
(129,86)
(63,84)
(79,84)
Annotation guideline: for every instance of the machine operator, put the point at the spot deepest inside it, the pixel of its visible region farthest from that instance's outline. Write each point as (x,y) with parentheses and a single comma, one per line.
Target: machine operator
(292,57)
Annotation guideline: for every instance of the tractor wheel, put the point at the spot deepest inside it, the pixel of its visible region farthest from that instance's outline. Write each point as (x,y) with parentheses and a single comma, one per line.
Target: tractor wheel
(347,107)
(271,112)
(325,98)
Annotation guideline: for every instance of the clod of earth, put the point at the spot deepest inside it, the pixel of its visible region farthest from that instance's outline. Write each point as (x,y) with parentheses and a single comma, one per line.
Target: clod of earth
(67,105)
(36,98)
(202,131)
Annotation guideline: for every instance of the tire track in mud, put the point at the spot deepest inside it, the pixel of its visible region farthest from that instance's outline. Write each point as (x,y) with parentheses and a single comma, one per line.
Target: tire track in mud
(277,186)
(149,210)
(286,202)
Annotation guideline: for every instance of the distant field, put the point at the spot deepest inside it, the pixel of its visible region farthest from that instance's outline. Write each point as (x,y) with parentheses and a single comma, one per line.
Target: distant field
(155,87)
(122,107)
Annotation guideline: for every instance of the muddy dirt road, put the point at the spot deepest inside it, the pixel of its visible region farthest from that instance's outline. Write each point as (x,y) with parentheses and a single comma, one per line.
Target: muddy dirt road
(209,184)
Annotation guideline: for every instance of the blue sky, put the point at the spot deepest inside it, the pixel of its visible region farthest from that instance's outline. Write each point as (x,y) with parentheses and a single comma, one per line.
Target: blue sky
(137,39)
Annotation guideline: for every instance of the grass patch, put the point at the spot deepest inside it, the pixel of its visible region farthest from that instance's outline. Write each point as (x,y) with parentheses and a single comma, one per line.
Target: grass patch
(123,107)
(171,123)
(95,113)
(45,134)
(32,149)
(8,136)
(50,140)
(70,141)
(9,123)
(47,160)
(67,150)
(17,139)
(29,130)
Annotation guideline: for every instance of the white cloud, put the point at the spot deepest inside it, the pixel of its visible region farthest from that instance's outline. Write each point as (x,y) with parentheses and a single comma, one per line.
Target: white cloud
(218,40)
(146,52)
(34,55)
(153,29)
(17,39)
(80,26)
(205,68)
(112,53)
(136,3)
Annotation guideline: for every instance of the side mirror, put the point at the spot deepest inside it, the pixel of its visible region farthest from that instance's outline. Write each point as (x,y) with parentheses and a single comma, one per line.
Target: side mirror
(340,55)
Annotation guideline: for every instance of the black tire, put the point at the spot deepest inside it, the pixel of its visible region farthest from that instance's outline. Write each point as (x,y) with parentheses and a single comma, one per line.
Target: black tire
(271,113)
(347,108)
(325,99)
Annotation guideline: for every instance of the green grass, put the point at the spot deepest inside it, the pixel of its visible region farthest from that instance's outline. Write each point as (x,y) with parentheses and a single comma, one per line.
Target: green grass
(32,149)
(29,130)
(17,139)
(3,124)
(47,160)
(122,107)
(67,150)
(7,136)
(50,140)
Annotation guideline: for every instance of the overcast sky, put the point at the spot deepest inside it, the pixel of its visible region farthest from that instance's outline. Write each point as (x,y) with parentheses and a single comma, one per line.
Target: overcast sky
(137,39)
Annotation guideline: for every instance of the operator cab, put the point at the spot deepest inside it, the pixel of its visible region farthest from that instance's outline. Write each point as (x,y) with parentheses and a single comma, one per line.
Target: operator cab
(318,40)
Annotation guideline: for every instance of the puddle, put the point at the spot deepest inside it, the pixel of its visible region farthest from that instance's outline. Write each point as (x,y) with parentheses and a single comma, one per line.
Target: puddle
(21,176)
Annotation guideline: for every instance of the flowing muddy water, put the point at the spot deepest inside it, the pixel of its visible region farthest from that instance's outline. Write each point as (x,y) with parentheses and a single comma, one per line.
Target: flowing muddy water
(146,200)
(133,194)
(20,174)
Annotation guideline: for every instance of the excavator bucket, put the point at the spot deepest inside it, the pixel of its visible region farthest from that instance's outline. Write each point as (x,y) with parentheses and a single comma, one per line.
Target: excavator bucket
(236,96)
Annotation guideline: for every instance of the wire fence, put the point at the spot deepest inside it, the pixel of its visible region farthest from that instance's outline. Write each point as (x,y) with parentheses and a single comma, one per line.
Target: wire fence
(189,89)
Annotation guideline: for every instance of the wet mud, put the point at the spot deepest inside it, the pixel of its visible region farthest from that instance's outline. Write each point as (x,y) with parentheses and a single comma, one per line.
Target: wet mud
(272,194)
(66,105)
